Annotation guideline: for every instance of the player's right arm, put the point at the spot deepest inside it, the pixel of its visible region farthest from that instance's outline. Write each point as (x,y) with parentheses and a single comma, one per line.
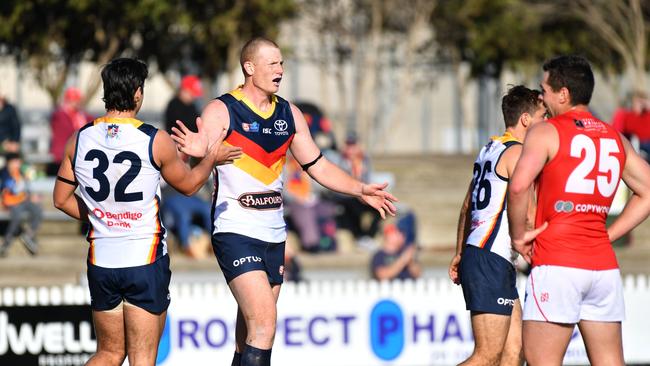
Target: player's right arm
(175,171)
(536,151)
(215,118)
(464,220)
(636,175)
(64,196)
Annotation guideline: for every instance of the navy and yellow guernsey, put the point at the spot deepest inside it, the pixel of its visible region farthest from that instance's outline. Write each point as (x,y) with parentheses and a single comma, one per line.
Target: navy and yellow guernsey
(489,228)
(248,193)
(119,181)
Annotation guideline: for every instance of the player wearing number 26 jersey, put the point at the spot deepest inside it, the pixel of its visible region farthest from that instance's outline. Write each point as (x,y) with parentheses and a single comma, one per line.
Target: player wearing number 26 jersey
(483,264)
(575,191)
(489,224)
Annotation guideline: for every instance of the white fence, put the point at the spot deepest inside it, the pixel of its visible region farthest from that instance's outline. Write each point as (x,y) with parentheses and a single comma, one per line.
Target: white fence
(359,323)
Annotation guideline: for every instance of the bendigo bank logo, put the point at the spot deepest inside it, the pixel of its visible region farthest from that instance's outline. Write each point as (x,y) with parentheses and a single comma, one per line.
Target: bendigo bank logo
(121,219)
(269,200)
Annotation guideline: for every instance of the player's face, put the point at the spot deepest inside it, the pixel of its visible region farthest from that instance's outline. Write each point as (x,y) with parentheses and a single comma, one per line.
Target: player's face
(268,69)
(550,97)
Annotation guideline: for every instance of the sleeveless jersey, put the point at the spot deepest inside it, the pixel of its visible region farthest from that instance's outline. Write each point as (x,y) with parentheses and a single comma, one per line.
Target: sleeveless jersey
(119,182)
(575,191)
(248,193)
(489,228)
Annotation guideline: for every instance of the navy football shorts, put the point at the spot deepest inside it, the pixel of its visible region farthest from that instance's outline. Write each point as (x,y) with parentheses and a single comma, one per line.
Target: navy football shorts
(238,254)
(488,281)
(146,287)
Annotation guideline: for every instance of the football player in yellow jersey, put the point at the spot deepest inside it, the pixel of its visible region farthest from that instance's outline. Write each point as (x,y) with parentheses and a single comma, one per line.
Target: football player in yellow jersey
(249,232)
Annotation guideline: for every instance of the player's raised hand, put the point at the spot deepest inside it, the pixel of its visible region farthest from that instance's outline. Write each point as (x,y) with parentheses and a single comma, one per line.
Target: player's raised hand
(376,197)
(195,144)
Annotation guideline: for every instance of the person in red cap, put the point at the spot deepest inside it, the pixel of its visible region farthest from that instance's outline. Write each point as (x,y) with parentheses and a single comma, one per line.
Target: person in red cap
(65,120)
(179,210)
(182,107)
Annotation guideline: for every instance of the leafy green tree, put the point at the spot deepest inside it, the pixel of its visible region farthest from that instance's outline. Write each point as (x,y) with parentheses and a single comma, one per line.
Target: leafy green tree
(52,36)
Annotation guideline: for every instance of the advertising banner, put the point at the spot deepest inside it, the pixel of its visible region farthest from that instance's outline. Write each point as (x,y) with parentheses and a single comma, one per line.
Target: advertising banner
(46,335)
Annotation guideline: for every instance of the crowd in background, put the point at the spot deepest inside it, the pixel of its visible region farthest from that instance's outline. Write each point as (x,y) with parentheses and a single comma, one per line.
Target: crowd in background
(315,215)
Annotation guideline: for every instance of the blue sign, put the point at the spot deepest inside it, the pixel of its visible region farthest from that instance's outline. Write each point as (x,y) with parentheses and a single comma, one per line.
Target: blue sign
(387,330)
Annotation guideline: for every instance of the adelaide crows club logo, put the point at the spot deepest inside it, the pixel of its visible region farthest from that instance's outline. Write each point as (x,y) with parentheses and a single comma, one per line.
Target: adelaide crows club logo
(112,130)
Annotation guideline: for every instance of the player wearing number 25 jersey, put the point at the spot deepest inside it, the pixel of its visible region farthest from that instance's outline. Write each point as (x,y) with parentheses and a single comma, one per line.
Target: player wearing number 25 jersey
(575,191)
(577,162)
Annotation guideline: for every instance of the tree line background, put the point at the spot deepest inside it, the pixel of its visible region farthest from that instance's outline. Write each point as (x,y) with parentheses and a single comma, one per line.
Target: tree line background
(400,43)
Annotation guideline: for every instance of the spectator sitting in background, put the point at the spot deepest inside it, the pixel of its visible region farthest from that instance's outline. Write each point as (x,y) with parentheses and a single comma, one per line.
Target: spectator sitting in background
(17,198)
(182,107)
(395,259)
(635,121)
(9,127)
(312,218)
(183,215)
(355,162)
(320,126)
(181,212)
(65,120)
(292,268)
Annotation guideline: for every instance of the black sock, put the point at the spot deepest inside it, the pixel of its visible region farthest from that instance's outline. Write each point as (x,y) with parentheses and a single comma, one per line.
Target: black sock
(255,357)
(236,360)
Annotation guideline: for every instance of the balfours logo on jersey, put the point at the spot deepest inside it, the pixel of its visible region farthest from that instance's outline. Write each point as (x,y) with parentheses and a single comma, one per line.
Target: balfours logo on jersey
(269,200)
(281,126)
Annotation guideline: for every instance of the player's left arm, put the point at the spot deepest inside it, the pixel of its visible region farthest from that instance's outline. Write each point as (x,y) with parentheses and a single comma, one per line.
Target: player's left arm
(636,175)
(308,155)
(64,196)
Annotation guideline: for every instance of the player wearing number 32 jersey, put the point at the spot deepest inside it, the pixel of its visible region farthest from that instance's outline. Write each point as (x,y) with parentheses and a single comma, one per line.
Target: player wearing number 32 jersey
(117,162)
(120,181)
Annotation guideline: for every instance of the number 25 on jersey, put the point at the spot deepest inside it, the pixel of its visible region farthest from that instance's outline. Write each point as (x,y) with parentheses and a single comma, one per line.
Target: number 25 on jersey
(608,165)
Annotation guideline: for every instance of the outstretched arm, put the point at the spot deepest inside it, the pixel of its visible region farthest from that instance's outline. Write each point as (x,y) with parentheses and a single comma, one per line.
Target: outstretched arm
(636,175)
(330,176)
(64,196)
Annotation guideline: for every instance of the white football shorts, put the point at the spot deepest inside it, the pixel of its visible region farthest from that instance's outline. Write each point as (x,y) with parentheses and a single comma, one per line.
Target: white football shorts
(567,295)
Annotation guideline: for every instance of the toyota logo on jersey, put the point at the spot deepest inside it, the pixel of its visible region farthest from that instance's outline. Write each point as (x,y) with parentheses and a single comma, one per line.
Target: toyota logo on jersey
(280,125)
